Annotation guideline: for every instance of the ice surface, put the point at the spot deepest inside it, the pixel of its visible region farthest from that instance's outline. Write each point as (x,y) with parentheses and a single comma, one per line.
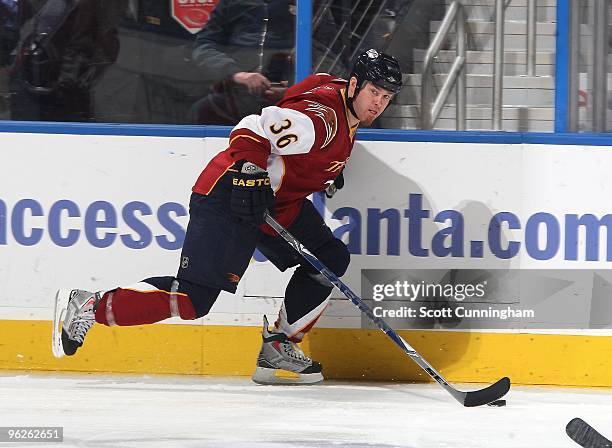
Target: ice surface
(136,411)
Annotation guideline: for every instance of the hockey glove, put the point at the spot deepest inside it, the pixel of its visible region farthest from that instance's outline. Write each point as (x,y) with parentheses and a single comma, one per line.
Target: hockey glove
(335,186)
(252,194)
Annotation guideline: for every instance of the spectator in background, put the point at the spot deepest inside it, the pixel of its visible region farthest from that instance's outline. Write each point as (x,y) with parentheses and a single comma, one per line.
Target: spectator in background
(246,51)
(247,48)
(9,29)
(9,35)
(66,46)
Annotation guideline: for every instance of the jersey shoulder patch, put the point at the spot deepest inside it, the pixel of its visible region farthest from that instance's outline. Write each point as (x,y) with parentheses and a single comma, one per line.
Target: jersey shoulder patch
(289,131)
(327,116)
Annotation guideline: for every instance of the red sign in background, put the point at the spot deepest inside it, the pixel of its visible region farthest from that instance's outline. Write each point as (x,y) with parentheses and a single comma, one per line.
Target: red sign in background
(192,14)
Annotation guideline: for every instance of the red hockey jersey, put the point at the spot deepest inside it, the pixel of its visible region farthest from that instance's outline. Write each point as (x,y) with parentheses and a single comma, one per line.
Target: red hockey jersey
(303,143)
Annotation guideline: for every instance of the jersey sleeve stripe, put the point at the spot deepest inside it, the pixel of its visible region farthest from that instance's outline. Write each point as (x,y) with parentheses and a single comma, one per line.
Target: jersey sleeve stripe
(244,136)
(217,180)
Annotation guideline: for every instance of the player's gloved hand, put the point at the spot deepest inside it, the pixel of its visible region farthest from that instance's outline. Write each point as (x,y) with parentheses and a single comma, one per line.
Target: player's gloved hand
(338,184)
(252,194)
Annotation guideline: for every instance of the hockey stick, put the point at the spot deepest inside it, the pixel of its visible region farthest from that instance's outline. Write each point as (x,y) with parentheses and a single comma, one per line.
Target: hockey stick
(585,435)
(468,399)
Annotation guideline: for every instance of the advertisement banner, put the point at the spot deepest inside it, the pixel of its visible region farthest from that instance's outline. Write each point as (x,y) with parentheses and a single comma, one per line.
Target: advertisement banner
(101,211)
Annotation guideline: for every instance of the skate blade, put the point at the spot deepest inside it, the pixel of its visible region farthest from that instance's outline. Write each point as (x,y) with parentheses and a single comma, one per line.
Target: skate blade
(264,375)
(62,296)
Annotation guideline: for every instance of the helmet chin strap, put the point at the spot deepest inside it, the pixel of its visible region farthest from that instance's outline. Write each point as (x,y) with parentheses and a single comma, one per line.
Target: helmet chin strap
(349,102)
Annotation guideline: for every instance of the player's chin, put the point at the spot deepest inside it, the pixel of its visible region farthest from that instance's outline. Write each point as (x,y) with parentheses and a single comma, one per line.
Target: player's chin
(368,121)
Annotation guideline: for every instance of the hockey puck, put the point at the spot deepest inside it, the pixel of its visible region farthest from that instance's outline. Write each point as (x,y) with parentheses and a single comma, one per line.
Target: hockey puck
(497,403)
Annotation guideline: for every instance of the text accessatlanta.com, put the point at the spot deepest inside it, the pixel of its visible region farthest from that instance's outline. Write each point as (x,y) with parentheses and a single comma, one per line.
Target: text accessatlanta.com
(138,224)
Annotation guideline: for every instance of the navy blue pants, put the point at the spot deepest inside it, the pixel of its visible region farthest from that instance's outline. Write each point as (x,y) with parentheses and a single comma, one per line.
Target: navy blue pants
(218,248)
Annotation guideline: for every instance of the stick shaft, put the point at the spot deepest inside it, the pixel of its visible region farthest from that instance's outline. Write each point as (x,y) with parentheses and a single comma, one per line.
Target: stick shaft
(365,309)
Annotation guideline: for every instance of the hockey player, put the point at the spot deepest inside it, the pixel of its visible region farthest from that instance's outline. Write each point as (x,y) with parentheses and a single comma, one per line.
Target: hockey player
(273,162)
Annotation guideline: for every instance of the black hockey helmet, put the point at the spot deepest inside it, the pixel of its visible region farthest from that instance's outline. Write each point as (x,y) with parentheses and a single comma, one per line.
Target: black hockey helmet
(380,69)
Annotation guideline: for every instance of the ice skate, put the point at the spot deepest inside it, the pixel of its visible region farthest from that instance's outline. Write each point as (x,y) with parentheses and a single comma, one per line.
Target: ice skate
(281,361)
(74,316)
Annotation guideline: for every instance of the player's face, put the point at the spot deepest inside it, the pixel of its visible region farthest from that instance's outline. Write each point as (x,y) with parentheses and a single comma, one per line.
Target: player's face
(370,102)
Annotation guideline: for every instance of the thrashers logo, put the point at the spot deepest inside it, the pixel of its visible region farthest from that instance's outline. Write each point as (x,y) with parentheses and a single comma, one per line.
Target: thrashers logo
(329,118)
(336,166)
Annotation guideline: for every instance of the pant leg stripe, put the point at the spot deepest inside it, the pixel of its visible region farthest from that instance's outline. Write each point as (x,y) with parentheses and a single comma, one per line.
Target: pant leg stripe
(174,308)
(110,315)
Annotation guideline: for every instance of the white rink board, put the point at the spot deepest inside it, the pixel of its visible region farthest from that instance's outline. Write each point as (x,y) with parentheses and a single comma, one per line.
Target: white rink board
(155,174)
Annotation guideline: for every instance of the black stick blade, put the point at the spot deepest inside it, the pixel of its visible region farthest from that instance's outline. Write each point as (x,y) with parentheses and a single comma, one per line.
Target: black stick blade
(488,394)
(585,435)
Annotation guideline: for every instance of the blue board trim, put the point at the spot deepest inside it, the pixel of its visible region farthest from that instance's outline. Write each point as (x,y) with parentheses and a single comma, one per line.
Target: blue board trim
(399,135)
(153,130)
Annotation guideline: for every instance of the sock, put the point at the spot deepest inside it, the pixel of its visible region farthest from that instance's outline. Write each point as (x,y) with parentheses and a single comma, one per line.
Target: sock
(127,306)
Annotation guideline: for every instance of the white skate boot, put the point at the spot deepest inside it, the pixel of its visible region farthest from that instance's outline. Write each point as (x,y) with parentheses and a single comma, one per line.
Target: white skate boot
(74,316)
(279,354)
